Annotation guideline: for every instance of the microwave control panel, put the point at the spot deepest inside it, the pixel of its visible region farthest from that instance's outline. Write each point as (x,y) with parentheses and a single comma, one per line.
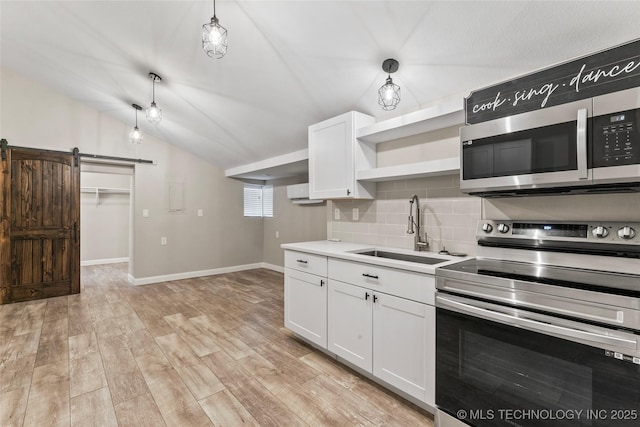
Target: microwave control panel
(616,139)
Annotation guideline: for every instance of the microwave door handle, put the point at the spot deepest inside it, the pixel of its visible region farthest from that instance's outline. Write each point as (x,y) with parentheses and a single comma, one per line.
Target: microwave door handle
(546,327)
(581,144)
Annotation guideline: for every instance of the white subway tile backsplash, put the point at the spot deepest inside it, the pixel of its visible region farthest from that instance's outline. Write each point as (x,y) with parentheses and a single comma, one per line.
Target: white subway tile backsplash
(392,206)
(399,242)
(397,218)
(448,216)
(468,205)
(438,206)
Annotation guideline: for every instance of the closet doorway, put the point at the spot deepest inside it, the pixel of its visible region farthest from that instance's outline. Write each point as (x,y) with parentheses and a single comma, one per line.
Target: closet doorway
(106,202)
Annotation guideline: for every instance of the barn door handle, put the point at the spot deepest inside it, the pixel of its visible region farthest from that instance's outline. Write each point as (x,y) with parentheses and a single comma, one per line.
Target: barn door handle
(3,148)
(75,232)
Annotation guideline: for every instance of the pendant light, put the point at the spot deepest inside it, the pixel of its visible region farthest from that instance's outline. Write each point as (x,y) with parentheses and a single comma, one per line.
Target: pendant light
(214,37)
(389,93)
(135,136)
(154,114)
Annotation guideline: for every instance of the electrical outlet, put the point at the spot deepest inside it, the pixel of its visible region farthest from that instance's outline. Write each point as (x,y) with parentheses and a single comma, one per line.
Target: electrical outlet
(356,214)
(277,234)
(145,213)
(336,213)
(200,213)
(163,241)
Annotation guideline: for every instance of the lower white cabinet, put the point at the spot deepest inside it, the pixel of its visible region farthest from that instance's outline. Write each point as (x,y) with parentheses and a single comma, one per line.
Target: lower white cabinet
(350,327)
(404,345)
(391,337)
(305,305)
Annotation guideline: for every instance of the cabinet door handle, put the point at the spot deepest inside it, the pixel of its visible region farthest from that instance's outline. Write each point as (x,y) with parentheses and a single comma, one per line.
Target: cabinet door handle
(348,192)
(321,282)
(302,261)
(369,275)
(366,296)
(375,298)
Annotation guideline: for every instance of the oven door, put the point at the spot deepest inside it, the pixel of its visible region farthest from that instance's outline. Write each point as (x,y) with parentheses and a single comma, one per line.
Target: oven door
(539,149)
(501,366)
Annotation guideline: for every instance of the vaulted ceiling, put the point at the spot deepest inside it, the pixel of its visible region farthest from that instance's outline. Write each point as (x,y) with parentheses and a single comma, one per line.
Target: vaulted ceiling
(290,63)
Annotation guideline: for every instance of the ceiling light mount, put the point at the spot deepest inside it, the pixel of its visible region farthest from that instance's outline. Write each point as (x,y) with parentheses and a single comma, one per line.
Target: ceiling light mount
(214,37)
(389,93)
(154,113)
(390,66)
(135,136)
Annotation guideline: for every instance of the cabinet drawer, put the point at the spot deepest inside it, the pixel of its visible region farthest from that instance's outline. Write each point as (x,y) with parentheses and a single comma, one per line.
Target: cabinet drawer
(314,264)
(401,283)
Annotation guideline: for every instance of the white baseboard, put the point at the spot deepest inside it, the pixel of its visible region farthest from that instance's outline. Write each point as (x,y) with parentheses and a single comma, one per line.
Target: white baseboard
(103,261)
(192,274)
(273,267)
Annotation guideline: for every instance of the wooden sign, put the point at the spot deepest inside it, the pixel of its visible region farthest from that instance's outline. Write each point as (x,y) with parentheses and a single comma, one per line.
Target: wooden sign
(603,72)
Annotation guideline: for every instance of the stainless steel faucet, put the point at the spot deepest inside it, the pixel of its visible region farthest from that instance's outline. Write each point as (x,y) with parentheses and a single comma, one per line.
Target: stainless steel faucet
(418,243)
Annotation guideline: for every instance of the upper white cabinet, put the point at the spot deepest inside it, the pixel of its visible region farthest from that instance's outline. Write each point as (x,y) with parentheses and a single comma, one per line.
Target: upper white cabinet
(334,156)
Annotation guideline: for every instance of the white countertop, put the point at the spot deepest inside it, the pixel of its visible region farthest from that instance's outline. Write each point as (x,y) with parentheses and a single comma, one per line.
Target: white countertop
(349,251)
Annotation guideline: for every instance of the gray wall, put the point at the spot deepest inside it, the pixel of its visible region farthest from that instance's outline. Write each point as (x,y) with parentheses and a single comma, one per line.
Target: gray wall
(293,223)
(32,115)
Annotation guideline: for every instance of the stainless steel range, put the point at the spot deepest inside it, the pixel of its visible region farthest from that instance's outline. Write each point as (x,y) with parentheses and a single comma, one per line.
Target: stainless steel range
(542,328)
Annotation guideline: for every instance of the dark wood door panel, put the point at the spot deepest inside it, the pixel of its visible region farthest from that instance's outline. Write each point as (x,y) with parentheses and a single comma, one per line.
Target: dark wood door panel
(41,191)
(40,194)
(40,261)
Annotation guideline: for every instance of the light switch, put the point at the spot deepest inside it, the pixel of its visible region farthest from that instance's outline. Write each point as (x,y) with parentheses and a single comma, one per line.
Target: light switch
(145,213)
(163,241)
(200,213)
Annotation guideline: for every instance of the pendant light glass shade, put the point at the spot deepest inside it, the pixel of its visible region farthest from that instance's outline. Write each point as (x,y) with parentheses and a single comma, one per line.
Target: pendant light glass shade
(154,114)
(135,136)
(214,37)
(389,93)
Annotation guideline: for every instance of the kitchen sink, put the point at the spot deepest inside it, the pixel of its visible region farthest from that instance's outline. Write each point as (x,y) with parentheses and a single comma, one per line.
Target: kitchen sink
(403,257)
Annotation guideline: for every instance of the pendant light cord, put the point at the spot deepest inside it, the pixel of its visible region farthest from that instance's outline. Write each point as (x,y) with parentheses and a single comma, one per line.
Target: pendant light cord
(214,8)
(153,90)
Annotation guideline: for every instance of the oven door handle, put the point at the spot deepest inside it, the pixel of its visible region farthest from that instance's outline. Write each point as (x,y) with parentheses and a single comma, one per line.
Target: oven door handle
(608,339)
(581,143)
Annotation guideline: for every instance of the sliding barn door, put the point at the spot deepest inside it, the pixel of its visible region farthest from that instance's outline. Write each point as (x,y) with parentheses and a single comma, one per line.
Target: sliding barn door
(39,240)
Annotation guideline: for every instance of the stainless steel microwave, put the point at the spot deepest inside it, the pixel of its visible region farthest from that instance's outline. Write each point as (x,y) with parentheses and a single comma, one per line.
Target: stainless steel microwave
(589,145)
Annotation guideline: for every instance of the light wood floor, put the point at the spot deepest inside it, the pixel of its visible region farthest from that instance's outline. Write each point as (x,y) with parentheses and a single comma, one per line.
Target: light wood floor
(198,352)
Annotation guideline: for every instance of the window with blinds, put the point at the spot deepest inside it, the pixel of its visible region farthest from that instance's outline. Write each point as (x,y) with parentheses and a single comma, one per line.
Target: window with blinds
(258,200)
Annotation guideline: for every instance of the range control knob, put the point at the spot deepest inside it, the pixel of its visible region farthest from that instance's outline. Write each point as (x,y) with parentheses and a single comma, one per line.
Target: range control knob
(487,228)
(503,228)
(626,232)
(600,232)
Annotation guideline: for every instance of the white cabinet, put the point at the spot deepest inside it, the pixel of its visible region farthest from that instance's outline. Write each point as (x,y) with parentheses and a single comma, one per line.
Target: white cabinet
(404,345)
(391,336)
(334,156)
(350,328)
(305,296)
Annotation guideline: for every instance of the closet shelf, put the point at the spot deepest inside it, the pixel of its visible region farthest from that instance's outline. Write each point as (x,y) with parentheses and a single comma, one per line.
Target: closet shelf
(104,190)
